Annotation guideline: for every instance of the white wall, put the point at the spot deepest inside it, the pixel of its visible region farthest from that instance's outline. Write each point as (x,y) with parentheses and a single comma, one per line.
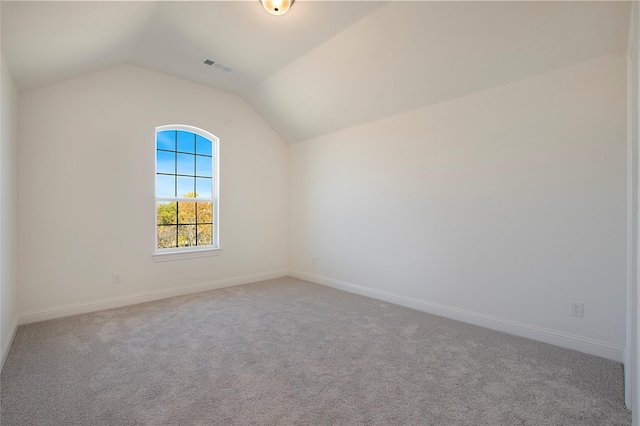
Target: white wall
(86,179)
(633,91)
(8,212)
(505,204)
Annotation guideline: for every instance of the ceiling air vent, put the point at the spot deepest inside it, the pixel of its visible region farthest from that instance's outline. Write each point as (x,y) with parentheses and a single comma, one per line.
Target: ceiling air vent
(218,65)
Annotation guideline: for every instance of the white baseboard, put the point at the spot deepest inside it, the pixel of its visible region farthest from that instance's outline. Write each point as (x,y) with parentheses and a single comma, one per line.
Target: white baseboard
(132,299)
(558,338)
(627,376)
(6,347)
(566,340)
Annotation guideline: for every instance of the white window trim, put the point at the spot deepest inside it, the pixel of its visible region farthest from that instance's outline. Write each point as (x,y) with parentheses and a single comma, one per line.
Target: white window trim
(161,255)
(185,254)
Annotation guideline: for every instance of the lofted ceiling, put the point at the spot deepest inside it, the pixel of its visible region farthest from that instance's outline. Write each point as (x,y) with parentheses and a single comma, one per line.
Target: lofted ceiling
(325,65)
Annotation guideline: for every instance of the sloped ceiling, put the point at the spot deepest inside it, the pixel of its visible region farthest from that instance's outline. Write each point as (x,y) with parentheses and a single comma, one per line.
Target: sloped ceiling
(324,66)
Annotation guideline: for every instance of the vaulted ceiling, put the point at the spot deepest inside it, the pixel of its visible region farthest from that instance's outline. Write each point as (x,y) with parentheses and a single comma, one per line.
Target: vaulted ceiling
(325,65)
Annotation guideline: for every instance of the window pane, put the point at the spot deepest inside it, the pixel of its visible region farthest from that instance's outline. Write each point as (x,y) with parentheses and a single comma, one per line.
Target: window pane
(166,140)
(203,187)
(203,166)
(167,237)
(167,214)
(165,186)
(205,235)
(186,142)
(186,164)
(185,187)
(186,213)
(166,162)
(205,212)
(203,145)
(186,235)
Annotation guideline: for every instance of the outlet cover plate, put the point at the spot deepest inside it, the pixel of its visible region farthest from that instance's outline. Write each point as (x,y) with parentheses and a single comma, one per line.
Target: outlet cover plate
(576,309)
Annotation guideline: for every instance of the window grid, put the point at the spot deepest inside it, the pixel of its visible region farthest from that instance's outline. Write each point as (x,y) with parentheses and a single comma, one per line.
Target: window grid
(178,224)
(178,200)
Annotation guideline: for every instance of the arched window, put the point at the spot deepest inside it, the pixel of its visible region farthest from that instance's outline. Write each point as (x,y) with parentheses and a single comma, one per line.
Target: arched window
(186,190)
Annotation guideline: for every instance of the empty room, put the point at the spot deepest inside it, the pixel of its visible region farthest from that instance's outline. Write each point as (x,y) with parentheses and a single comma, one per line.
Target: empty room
(319,212)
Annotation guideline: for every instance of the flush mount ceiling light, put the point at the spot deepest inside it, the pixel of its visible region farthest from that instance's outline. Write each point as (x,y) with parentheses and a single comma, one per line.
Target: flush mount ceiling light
(277,7)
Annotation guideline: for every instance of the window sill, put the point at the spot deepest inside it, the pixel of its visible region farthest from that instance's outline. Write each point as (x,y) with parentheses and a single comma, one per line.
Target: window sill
(190,254)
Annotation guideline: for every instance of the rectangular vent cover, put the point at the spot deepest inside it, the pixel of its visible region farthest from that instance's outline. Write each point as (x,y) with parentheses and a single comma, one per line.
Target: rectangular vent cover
(218,65)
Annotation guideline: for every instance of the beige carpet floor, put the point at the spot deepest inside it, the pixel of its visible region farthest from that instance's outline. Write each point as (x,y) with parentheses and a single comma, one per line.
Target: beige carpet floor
(289,352)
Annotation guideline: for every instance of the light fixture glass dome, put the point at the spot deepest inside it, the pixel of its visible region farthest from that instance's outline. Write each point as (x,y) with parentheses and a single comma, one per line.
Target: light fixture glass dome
(277,7)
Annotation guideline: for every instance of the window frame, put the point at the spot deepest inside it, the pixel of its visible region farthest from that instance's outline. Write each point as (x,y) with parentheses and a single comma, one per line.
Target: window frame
(175,253)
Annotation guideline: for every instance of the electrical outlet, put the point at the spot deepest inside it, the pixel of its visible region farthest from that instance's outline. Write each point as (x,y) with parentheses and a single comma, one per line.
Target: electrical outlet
(117,278)
(313,260)
(576,309)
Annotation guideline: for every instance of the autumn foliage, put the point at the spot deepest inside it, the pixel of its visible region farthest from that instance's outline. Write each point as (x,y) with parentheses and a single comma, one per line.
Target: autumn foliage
(185,224)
